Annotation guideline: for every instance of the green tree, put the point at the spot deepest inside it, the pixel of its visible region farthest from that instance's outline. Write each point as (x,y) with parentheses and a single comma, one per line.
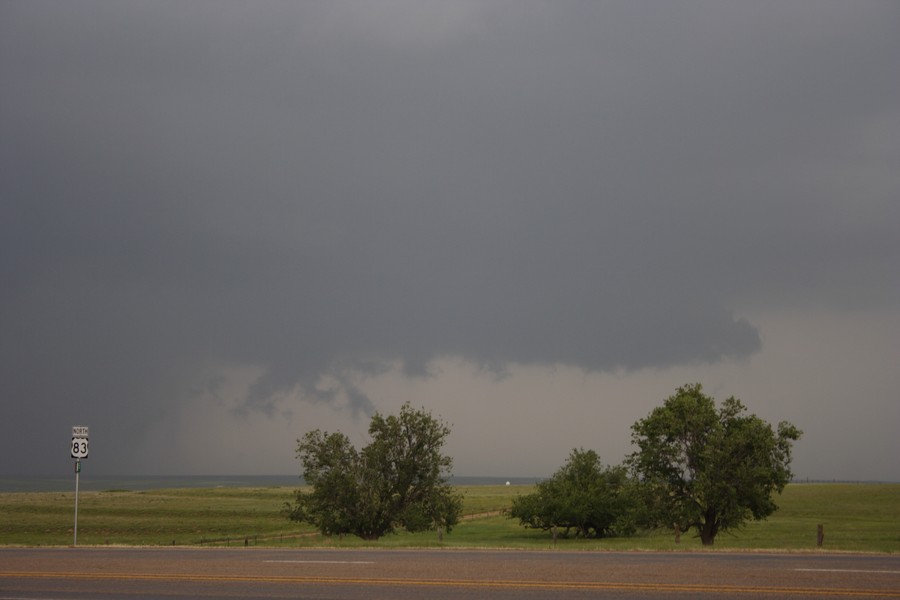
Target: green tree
(709,469)
(582,495)
(398,480)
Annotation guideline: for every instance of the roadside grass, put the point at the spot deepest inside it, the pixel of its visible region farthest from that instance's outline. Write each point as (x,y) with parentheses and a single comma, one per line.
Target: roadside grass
(192,516)
(856,518)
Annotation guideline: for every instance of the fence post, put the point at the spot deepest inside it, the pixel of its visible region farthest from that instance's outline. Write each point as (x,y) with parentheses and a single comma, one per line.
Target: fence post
(820,537)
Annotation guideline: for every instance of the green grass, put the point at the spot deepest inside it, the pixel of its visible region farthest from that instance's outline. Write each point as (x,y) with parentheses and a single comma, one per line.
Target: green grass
(158,517)
(856,518)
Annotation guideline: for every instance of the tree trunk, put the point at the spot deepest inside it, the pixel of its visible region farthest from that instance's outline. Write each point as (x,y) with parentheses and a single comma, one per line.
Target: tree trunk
(708,532)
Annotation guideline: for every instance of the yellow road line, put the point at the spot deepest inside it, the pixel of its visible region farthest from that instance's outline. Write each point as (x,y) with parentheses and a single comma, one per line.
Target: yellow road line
(468,583)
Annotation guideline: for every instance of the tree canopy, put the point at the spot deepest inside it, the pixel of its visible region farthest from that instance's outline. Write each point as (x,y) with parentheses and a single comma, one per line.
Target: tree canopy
(582,495)
(709,469)
(399,480)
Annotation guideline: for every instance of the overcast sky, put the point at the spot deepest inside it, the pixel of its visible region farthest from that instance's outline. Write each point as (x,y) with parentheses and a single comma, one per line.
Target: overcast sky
(227,223)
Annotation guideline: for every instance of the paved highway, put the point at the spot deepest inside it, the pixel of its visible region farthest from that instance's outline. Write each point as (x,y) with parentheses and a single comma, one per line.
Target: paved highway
(150,573)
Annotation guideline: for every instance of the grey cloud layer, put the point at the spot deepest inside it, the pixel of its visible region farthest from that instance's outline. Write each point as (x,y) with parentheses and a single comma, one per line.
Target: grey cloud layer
(304,188)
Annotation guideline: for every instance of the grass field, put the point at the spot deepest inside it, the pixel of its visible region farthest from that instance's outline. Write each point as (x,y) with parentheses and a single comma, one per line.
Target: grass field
(856,518)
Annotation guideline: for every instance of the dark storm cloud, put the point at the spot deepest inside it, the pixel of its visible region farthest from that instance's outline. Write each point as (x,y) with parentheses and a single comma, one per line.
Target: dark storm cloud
(315,189)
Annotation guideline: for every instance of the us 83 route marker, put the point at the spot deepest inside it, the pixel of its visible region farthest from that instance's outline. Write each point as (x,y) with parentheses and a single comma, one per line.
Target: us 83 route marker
(79,448)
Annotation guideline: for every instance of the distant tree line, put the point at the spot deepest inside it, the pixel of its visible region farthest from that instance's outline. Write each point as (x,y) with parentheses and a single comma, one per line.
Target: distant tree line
(696,467)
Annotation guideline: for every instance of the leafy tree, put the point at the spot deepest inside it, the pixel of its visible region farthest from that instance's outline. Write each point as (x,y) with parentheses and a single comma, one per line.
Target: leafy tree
(398,480)
(582,495)
(709,469)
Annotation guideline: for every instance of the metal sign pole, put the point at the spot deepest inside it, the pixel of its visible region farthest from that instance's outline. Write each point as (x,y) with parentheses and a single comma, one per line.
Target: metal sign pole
(77,473)
(79,450)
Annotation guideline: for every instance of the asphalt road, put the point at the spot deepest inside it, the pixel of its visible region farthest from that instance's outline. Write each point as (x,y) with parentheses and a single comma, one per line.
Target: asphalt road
(149,573)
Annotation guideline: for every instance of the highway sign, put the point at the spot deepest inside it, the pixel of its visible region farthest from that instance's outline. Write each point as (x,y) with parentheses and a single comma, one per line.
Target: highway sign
(79,447)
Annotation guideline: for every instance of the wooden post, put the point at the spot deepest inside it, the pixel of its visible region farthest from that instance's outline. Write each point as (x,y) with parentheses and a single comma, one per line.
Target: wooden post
(820,537)
(677,534)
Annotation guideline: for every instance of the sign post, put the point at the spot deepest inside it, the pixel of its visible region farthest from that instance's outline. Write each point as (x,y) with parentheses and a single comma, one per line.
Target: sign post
(79,450)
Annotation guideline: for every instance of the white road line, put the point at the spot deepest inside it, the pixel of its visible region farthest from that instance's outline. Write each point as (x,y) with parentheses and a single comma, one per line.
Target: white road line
(324,562)
(848,571)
